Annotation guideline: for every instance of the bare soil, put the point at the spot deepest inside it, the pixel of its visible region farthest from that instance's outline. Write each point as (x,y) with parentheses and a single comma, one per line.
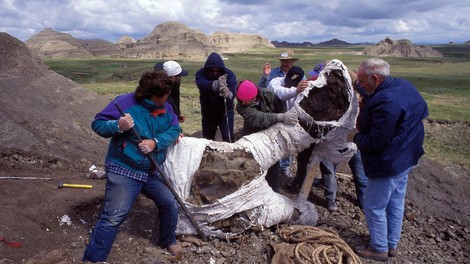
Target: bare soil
(45,134)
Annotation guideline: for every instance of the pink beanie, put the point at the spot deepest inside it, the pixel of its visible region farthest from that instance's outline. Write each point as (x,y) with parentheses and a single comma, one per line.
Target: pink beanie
(247,91)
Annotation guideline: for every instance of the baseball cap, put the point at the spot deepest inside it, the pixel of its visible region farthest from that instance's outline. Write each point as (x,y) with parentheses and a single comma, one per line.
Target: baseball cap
(316,70)
(173,68)
(247,91)
(294,76)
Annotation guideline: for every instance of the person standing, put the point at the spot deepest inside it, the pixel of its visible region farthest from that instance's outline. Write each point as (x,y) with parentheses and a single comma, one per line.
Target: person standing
(287,60)
(129,170)
(173,69)
(261,109)
(390,138)
(216,85)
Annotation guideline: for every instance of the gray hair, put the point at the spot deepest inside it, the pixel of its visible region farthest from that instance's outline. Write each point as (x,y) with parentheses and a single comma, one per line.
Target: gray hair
(376,66)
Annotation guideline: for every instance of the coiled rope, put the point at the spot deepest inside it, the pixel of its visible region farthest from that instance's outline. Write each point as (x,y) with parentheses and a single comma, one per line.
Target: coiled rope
(316,245)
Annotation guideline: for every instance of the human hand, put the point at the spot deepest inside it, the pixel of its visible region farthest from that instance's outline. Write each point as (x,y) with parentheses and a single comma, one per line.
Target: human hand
(125,122)
(223,88)
(147,146)
(289,118)
(222,79)
(351,135)
(302,86)
(267,69)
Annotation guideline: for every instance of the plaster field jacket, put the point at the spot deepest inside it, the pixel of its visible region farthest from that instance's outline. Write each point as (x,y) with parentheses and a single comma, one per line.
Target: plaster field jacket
(150,122)
(213,105)
(391,129)
(261,114)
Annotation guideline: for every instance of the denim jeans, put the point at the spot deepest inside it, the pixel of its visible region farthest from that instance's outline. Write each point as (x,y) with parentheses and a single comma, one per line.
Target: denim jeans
(384,206)
(285,163)
(121,193)
(359,177)
(328,175)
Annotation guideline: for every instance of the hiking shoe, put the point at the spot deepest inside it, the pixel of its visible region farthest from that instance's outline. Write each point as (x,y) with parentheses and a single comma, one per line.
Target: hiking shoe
(392,252)
(369,253)
(176,251)
(331,205)
(317,182)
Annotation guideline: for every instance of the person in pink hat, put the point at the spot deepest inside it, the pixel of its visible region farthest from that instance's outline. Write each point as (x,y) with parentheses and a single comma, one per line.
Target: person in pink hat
(261,109)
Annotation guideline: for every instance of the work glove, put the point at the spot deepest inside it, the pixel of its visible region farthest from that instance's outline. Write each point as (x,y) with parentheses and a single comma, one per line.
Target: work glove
(221,80)
(223,88)
(288,118)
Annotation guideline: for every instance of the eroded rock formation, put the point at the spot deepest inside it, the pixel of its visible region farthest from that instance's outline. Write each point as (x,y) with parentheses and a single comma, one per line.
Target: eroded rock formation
(400,48)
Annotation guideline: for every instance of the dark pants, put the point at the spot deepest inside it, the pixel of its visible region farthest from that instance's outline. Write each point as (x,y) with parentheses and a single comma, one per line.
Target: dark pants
(210,125)
(327,169)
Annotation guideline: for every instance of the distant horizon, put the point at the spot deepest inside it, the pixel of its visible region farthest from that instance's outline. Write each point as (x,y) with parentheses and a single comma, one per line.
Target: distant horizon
(291,42)
(431,21)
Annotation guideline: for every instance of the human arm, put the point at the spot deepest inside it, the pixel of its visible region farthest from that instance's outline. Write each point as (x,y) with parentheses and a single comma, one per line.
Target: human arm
(109,121)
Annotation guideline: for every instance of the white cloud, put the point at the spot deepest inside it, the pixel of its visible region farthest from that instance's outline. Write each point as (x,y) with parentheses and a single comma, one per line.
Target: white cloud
(296,20)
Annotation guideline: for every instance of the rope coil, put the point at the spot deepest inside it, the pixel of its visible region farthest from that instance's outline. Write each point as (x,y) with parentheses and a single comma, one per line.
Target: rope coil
(316,245)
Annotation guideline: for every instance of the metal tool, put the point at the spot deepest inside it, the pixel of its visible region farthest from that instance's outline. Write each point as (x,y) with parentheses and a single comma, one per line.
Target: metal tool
(71,185)
(226,119)
(24,178)
(168,183)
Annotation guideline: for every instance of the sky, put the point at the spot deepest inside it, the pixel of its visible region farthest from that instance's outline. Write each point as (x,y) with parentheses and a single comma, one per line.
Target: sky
(353,21)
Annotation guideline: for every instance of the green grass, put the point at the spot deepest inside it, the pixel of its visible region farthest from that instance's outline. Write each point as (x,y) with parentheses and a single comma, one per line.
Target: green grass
(443,82)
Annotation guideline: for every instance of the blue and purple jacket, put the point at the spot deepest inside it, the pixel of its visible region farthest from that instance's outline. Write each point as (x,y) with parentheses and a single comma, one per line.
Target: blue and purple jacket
(150,122)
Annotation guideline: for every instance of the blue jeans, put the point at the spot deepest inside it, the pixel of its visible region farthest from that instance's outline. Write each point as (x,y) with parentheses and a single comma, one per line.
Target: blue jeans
(359,177)
(121,193)
(285,163)
(384,205)
(328,175)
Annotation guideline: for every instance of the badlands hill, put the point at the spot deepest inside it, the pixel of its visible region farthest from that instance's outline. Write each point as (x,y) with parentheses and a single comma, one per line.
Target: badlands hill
(400,48)
(169,40)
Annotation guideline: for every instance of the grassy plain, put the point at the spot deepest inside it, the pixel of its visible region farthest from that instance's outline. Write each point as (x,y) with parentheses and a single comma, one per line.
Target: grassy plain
(444,83)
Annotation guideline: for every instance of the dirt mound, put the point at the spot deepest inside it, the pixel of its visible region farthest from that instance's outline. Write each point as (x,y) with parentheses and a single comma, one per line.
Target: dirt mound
(400,48)
(42,111)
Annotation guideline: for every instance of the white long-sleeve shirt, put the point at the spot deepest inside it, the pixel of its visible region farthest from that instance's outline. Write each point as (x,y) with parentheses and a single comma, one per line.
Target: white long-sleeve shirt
(286,95)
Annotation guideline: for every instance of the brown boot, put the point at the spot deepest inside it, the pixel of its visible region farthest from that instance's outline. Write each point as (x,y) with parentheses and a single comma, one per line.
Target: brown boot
(177,251)
(392,252)
(369,253)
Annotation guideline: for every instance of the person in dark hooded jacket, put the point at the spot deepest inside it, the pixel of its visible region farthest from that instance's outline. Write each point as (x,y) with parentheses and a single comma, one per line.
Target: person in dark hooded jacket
(217,85)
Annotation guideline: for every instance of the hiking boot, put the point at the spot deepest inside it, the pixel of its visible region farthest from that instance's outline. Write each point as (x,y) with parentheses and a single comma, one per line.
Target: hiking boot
(176,251)
(369,253)
(317,182)
(392,252)
(331,205)
(294,186)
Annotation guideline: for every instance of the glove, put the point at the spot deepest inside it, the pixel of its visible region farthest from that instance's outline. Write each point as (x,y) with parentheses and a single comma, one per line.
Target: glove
(289,118)
(223,88)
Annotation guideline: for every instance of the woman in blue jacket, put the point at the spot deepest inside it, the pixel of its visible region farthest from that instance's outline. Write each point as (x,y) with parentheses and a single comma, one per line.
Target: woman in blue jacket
(216,85)
(129,169)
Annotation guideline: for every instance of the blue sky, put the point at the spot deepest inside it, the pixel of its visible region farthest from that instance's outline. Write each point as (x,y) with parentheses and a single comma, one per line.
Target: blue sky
(421,21)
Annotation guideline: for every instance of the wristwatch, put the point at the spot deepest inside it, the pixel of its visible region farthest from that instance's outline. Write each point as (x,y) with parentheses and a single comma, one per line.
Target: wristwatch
(156,144)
